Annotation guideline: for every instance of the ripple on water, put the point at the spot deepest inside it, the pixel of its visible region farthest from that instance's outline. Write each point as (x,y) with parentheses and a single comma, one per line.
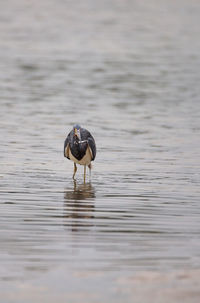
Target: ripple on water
(140,99)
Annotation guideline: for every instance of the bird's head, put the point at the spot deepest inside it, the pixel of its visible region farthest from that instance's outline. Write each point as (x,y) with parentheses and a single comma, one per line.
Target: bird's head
(77,129)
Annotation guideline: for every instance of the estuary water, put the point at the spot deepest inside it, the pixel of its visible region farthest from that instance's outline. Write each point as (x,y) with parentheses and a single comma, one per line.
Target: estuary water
(128,71)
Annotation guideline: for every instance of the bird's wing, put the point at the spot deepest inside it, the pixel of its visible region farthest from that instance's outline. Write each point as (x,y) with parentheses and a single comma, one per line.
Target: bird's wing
(86,135)
(66,147)
(92,147)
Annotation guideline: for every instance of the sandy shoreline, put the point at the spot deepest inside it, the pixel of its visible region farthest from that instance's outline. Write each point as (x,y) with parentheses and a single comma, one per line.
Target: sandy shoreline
(179,286)
(146,287)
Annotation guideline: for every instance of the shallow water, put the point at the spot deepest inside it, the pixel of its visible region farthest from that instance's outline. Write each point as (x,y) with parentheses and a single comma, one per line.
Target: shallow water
(129,72)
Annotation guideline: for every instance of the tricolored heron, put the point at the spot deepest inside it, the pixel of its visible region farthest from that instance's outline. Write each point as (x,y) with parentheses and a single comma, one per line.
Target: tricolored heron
(80,147)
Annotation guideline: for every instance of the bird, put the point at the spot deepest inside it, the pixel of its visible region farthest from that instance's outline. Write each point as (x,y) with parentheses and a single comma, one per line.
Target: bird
(80,147)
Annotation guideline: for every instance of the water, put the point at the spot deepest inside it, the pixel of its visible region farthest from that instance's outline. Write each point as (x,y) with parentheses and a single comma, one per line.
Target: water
(129,72)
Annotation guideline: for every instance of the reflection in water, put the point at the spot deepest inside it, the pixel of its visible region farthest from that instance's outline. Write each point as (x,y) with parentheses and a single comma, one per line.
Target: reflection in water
(143,107)
(79,206)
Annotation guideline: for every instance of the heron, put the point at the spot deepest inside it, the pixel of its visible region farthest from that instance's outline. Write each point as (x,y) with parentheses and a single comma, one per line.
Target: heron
(80,148)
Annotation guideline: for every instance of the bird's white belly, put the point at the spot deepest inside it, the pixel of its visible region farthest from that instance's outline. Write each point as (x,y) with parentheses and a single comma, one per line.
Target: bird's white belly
(85,160)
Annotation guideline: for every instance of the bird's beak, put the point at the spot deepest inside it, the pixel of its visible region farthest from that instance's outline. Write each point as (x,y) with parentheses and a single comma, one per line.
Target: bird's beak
(77,133)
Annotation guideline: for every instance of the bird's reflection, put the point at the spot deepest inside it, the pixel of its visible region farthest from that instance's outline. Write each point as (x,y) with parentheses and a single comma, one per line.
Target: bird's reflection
(79,206)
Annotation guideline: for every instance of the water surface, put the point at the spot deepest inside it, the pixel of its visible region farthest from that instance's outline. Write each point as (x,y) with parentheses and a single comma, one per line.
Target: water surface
(129,72)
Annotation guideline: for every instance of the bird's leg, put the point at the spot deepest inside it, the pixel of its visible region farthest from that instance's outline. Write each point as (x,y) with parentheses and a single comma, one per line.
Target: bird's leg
(74,185)
(90,168)
(75,169)
(84,173)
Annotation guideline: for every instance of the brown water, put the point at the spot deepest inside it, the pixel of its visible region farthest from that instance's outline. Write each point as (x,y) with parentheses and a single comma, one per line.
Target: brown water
(129,72)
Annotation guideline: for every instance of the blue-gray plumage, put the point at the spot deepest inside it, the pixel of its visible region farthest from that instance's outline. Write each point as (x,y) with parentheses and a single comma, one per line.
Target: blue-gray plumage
(80,147)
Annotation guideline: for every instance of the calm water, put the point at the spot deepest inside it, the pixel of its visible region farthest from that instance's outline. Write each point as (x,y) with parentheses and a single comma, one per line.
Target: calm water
(129,72)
